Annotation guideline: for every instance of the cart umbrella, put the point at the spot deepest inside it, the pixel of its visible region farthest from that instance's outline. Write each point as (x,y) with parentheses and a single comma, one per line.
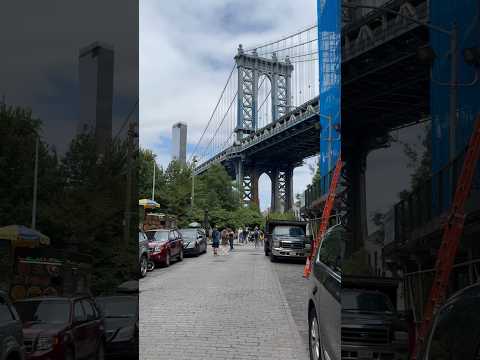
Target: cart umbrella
(23,236)
(148,204)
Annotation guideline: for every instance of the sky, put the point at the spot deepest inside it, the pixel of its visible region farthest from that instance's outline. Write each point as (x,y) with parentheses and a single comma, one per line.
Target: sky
(41,70)
(186,54)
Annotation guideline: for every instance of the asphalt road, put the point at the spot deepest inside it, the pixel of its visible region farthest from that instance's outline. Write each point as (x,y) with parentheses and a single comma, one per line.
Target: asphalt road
(238,306)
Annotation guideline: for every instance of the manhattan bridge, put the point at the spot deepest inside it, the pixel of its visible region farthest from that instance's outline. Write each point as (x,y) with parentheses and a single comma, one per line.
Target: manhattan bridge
(267,117)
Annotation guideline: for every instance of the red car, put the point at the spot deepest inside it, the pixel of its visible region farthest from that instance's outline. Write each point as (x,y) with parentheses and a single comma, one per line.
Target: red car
(164,245)
(57,328)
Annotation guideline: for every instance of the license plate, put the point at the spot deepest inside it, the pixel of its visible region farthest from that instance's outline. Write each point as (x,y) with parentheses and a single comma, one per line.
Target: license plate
(365,354)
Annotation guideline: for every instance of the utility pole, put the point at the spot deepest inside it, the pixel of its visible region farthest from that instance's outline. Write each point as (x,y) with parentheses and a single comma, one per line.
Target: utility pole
(128,200)
(194,161)
(153,182)
(35,181)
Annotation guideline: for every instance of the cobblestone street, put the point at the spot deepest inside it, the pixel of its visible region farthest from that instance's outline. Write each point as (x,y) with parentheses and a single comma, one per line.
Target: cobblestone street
(239,306)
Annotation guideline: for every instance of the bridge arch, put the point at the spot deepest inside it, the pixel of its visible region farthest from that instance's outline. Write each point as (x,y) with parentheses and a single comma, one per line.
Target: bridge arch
(265,191)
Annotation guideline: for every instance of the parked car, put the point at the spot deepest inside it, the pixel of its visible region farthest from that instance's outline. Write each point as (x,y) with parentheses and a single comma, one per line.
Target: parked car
(194,241)
(11,335)
(67,328)
(286,239)
(164,245)
(324,294)
(371,325)
(121,322)
(455,333)
(143,254)
(351,317)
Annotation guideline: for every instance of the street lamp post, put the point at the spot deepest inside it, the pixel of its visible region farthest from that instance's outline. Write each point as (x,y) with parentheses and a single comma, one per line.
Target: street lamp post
(153,180)
(194,161)
(35,186)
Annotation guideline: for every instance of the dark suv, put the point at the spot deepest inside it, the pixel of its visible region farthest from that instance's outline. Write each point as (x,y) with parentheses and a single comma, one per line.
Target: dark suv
(286,239)
(62,328)
(11,336)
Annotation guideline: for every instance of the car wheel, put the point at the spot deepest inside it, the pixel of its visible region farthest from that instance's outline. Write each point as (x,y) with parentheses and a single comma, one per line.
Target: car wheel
(167,260)
(143,266)
(100,351)
(180,256)
(314,343)
(150,265)
(69,355)
(273,258)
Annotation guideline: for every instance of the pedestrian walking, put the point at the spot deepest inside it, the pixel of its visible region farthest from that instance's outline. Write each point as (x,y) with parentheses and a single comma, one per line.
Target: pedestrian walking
(224,247)
(245,235)
(215,240)
(256,235)
(231,235)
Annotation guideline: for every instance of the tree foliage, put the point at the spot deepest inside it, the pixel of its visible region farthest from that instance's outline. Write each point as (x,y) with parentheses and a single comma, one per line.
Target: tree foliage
(17,159)
(419,159)
(214,192)
(81,196)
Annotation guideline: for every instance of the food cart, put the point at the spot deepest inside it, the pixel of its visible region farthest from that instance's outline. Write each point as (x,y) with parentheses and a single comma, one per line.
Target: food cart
(30,267)
(151,219)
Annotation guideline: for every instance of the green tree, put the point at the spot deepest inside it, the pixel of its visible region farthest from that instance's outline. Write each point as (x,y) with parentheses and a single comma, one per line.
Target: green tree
(92,210)
(17,158)
(146,162)
(214,189)
(177,191)
(248,216)
(419,159)
(81,198)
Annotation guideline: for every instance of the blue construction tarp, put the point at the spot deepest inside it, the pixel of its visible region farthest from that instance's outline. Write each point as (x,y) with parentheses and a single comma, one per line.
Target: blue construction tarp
(466,14)
(329,55)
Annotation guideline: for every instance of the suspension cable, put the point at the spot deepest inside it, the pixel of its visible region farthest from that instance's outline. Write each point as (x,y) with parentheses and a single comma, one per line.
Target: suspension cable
(213,113)
(281,39)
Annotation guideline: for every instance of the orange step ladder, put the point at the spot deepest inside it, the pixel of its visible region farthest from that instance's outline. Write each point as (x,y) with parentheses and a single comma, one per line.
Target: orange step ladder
(452,232)
(325,217)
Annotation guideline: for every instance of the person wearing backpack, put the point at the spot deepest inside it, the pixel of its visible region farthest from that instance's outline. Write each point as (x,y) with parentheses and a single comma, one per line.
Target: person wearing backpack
(215,240)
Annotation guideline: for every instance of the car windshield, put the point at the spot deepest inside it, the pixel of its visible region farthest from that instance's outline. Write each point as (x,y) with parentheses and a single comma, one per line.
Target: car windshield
(118,307)
(365,302)
(44,311)
(157,235)
(288,231)
(190,234)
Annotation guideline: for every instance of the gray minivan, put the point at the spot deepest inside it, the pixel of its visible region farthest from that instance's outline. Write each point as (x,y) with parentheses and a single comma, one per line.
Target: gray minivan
(324,297)
(143,254)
